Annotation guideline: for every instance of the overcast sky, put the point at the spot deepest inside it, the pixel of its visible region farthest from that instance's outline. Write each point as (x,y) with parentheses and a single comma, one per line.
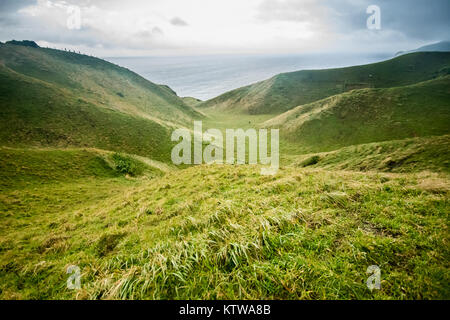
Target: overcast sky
(190,27)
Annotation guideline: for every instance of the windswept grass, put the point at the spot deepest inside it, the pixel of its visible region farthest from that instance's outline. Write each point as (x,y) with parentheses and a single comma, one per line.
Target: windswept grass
(225,232)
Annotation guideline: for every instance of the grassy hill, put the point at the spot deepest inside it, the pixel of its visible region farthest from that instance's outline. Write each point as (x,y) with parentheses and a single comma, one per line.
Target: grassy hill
(97,81)
(55,98)
(25,167)
(369,115)
(288,90)
(407,155)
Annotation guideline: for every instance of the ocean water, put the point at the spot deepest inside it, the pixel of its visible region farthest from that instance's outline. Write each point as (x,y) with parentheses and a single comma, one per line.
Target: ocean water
(205,77)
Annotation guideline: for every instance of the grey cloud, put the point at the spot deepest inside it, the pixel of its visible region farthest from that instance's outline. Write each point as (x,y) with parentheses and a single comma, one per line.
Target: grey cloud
(156,31)
(412,21)
(8,11)
(419,19)
(14,25)
(416,19)
(176,21)
(8,6)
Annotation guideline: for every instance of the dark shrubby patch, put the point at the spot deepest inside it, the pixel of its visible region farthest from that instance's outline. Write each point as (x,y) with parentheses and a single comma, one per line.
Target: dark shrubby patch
(310,161)
(25,43)
(127,165)
(107,243)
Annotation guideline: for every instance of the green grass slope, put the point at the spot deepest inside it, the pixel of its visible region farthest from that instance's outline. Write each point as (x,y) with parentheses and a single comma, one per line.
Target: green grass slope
(288,90)
(36,113)
(79,185)
(193,102)
(408,155)
(98,82)
(60,99)
(369,115)
(225,232)
(24,167)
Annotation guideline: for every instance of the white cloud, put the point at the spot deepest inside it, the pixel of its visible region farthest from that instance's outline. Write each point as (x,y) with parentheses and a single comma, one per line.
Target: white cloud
(139,27)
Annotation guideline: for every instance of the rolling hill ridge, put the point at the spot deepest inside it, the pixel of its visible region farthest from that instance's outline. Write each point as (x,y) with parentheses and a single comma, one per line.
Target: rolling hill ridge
(98,81)
(369,115)
(442,46)
(56,98)
(288,90)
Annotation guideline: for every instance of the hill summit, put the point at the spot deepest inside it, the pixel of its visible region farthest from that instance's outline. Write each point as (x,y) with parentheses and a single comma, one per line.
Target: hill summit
(25,43)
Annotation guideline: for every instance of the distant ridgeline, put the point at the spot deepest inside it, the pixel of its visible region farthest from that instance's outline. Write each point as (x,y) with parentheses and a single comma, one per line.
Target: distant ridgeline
(443,46)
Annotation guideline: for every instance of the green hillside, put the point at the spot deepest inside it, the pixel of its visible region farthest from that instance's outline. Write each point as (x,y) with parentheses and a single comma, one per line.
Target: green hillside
(97,81)
(61,99)
(407,155)
(35,113)
(193,102)
(288,90)
(30,167)
(369,115)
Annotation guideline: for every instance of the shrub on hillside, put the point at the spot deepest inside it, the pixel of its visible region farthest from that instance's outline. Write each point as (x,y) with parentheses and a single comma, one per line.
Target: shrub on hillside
(126,165)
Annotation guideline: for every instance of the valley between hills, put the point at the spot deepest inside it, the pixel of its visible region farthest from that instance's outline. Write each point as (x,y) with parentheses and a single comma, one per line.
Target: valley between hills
(87,180)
